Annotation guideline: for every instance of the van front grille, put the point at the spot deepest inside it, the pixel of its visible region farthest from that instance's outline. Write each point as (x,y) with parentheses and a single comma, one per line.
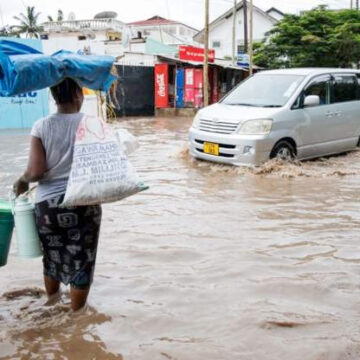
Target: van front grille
(220,154)
(218,127)
(225,146)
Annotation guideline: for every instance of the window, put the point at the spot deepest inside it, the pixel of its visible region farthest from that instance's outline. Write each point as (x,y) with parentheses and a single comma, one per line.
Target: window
(172,30)
(344,88)
(216,44)
(319,87)
(358,87)
(81,37)
(182,31)
(263,90)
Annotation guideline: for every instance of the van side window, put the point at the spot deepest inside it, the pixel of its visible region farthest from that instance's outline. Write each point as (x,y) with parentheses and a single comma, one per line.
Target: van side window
(345,88)
(319,87)
(358,87)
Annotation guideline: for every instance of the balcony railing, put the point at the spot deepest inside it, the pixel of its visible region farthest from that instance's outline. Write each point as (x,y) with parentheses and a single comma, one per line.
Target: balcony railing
(81,25)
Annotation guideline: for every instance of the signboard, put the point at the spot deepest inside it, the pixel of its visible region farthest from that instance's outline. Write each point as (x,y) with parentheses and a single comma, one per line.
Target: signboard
(162,85)
(21,111)
(192,53)
(243,60)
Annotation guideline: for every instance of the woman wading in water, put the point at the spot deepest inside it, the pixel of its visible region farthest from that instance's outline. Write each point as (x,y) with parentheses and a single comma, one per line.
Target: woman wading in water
(69,236)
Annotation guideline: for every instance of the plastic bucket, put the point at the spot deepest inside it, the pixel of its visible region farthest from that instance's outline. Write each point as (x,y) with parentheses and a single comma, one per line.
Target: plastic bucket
(6,231)
(25,228)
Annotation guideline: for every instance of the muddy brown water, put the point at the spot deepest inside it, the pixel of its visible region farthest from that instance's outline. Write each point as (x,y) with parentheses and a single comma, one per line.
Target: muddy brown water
(213,262)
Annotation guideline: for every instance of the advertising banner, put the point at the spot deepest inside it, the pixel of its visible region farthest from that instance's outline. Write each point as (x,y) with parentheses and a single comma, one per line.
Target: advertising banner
(162,85)
(243,60)
(21,111)
(192,53)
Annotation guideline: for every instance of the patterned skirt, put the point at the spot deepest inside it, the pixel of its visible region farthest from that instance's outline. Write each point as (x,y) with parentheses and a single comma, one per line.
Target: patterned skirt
(69,237)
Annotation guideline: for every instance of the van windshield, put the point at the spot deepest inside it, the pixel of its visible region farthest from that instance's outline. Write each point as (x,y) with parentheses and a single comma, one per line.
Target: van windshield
(264,90)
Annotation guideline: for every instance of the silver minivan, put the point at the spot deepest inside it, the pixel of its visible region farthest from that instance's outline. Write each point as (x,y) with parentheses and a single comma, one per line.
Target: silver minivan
(291,113)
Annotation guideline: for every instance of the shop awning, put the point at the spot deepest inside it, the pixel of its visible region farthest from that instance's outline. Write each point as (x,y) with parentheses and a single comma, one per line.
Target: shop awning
(226,64)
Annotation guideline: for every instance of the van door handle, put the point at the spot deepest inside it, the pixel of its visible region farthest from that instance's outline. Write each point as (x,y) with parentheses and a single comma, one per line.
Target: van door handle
(338,113)
(330,114)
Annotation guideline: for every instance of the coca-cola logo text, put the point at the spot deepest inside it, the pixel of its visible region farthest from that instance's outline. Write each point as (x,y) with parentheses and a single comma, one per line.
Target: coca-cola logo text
(160,80)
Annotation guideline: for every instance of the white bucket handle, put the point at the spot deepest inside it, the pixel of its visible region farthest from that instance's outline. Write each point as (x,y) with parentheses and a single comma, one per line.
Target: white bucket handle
(13,197)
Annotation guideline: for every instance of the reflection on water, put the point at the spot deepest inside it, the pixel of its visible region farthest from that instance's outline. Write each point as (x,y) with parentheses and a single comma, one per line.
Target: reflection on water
(213,262)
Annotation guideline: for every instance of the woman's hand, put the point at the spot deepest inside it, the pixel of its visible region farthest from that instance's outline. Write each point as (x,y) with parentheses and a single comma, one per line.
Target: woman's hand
(36,167)
(20,187)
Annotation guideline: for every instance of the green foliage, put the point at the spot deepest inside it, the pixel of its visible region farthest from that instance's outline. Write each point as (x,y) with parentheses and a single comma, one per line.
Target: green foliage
(59,17)
(8,31)
(317,38)
(28,23)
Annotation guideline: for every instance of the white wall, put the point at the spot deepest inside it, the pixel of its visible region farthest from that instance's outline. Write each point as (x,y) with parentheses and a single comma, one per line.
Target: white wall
(179,31)
(275,15)
(70,41)
(223,32)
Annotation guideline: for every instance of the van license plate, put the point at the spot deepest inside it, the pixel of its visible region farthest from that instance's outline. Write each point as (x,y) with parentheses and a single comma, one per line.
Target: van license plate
(211,148)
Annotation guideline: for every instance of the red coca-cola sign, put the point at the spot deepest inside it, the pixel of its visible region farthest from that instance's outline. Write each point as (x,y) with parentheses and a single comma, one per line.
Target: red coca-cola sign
(162,85)
(192,53)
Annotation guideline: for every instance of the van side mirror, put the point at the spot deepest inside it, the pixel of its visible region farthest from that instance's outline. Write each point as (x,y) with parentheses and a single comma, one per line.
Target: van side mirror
(311,100)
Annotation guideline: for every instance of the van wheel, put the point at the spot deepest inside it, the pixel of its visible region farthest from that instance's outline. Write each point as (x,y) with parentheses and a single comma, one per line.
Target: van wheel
(283,150)
(358,143)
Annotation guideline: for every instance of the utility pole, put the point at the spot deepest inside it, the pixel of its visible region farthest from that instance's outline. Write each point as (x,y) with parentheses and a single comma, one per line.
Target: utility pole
(351,4)
(357,4)
(245,26)
(234,52)
(251,55)
(206,55)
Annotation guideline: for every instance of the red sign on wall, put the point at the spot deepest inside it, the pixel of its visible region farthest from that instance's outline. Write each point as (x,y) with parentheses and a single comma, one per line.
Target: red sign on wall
(162,85)
(192,53)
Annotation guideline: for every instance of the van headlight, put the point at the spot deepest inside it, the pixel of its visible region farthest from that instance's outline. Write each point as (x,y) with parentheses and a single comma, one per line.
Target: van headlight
(196,122)
(256,127)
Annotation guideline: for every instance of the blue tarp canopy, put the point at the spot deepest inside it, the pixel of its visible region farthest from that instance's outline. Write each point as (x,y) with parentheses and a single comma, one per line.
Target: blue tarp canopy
(24,69)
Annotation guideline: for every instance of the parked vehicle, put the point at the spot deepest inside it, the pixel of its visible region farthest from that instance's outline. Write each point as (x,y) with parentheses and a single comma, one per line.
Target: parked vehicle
(291,113)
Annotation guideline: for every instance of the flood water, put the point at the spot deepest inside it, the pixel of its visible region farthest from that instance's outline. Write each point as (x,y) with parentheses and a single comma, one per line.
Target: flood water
(213,262)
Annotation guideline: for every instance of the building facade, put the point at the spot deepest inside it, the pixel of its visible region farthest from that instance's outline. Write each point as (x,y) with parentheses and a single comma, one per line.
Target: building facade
(220,30)
(166,31)
(88,36)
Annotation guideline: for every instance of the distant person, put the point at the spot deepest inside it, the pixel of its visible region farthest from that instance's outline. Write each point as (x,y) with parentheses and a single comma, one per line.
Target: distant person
(69,236)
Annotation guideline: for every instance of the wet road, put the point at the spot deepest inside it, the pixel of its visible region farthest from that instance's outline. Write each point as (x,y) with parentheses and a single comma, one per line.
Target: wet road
(212,262)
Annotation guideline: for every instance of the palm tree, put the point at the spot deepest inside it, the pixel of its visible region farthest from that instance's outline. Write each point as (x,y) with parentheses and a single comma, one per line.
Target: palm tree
(28,23)
(60,16)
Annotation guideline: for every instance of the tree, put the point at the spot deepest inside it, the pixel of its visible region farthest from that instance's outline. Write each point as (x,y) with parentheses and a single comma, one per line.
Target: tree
(320,38)
(60,16)
(8,31)
(29,23)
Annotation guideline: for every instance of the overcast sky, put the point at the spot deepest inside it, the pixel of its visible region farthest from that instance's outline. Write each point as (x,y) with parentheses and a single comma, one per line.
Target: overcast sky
(186,11)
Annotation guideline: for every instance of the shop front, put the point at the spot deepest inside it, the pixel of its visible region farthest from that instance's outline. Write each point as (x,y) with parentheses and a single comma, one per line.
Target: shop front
(179,82)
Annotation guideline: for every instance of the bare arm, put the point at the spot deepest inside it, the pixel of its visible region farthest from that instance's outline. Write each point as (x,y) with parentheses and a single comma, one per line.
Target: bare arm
(36,167)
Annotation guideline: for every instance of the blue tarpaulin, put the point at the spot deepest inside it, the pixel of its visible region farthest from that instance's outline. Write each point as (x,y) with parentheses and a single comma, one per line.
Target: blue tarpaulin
(21,111)
(24,69)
